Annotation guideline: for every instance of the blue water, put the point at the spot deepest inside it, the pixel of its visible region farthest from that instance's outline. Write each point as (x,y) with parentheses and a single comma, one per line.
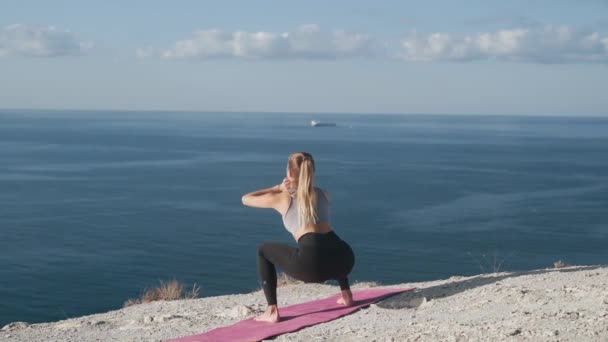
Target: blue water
(97,206)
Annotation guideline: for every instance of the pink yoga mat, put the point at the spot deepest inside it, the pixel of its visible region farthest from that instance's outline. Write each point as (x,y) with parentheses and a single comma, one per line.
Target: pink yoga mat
(293,318)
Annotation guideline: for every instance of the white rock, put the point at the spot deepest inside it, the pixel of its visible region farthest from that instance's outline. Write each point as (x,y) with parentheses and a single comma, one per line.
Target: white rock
(167,317)
(239,311)
(551,333)
(515,332)
(425,303)
(148,319)
(68,325)
(15,325)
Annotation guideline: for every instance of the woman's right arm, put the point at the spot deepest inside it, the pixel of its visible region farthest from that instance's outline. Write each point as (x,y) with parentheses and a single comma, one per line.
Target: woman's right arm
(264,198)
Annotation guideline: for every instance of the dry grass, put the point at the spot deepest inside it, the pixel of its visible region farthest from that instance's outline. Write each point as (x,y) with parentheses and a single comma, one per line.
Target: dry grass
(560,264)
(284,280)
(170,290)
(489,263)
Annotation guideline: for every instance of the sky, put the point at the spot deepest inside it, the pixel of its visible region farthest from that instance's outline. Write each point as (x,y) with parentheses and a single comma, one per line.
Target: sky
(533,57)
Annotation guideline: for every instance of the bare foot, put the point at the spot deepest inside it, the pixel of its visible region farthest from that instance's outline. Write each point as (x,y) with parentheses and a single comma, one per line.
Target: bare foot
(347,298)
(270,315)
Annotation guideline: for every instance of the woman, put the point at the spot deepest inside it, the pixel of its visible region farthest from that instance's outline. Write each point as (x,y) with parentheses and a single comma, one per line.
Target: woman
(321,255)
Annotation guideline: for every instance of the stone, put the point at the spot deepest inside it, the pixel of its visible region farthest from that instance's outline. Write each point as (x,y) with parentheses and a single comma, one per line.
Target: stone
(414,303)
(240,311)
(551,333)
(15,325)
(97,322)
(148,319)
(515,332)
(167,317)
(68,325)
(425,302)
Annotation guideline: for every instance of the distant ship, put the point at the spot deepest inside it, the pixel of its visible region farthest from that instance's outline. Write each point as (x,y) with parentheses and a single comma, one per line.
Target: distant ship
(316,123)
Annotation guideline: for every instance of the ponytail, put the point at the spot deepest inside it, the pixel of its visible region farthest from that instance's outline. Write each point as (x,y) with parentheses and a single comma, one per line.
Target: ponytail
(307,197)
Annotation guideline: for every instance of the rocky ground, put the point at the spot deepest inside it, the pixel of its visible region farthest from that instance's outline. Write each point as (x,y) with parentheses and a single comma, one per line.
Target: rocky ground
(566,304)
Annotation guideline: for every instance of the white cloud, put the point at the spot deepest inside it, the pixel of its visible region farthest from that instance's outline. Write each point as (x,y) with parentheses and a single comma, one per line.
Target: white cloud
(307,41)
(22,40)
(145,52)
(549,44)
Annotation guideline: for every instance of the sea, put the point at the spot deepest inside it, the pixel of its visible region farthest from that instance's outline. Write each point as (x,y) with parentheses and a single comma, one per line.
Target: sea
(97,206)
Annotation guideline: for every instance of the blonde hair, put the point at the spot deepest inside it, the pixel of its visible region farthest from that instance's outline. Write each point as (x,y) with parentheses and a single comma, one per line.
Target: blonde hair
(303,167)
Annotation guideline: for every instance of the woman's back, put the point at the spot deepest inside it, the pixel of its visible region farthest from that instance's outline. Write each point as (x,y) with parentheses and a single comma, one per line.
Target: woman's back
(291,218)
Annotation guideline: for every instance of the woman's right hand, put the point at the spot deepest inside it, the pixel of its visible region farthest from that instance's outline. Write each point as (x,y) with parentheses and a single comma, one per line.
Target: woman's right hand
(287,185)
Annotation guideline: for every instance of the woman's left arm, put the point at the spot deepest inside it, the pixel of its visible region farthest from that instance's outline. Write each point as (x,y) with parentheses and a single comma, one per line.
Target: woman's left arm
(265,198)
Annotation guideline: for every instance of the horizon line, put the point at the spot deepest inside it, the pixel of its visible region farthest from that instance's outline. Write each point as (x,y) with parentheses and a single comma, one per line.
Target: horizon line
(193,111)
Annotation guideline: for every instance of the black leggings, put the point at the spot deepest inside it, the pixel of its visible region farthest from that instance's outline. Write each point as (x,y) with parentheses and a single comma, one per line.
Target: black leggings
(319,257)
